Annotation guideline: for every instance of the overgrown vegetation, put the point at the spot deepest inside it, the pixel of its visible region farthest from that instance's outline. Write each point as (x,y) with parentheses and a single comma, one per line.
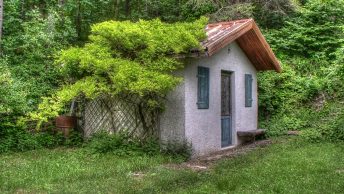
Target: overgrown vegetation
(286,167)
(37,61)
(308,94)
(306,35)
(14,139)
(125,59)
(120,144)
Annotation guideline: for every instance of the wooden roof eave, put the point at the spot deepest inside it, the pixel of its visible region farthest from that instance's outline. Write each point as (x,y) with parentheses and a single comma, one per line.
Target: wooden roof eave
(228,38)
(266,46)
(261,56)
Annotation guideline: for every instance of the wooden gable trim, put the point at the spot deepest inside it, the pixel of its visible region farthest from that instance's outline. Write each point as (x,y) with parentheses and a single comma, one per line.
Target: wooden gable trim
(258,50)
(252,42)
(228,38)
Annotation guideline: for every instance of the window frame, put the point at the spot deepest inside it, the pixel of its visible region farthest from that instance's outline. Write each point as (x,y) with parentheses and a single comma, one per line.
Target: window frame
(203,86)
(248,90)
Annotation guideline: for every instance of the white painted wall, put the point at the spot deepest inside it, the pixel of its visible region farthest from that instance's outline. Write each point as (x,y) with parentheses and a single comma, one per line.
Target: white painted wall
(202,127)
(172,120)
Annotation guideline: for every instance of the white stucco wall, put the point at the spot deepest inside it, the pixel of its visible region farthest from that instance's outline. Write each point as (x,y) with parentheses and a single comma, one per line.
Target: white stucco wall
(202,127)
(172,120)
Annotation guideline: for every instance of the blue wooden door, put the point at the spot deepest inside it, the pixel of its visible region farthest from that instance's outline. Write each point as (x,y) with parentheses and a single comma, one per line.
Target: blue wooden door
(226,116)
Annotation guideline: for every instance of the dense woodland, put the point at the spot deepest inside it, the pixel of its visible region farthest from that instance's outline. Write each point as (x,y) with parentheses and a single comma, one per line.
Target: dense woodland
(306,35)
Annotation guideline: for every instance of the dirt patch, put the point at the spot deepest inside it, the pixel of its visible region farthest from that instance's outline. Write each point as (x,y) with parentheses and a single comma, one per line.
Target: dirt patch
(319,101)
(205,162)
(137,175)
(293,132)
(340,171)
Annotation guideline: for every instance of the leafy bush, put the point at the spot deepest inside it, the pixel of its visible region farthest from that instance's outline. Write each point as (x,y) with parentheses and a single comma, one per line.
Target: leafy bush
(331,131)
(268,13)
(312,135)
(150,146)
(181,149)
(15,138)
(316,124)
(309,46)
(117,51)
(333,128)
(336,132)
(75,139)
(103,142)
(29,44)
(49,139)
(281,123)
(12,93)
(315,32)
(120,144)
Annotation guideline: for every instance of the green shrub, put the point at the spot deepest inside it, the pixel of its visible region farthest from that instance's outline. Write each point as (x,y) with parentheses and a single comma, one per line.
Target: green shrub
(335,129)
(151,146)
(110,62)
(280,124)
(49,139)
(16,139)
(312,135)
(13,138)
(103,142)
(181,149)
(12,93)
(75,139)
(311,69)
(29,44)
(316,125)
(120,144)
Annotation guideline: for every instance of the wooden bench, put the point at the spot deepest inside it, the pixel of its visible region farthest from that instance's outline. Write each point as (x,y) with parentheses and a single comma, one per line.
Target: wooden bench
(251,135)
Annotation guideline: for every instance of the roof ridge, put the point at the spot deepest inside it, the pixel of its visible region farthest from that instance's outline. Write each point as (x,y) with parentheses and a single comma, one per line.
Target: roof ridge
(249,38)
(229,22)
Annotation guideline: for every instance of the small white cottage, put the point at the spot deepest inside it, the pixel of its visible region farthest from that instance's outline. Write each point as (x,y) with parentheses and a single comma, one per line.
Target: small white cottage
(218,97)
(216,103)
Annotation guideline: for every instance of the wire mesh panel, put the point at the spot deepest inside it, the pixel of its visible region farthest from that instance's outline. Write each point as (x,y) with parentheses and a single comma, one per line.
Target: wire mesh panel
(116,114)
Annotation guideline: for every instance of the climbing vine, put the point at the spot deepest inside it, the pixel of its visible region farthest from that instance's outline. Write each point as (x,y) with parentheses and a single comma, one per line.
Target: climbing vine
(125,58)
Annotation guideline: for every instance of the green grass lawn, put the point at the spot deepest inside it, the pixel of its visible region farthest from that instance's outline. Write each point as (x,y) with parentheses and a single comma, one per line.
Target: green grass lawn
(286,167)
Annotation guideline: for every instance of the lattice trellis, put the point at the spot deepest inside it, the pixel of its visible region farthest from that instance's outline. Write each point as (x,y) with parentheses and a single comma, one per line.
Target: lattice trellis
(116,114)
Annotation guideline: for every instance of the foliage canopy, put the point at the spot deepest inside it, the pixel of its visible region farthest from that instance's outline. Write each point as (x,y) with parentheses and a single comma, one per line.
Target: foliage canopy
(12,99)
(306,35)
(125,58)
(310,46)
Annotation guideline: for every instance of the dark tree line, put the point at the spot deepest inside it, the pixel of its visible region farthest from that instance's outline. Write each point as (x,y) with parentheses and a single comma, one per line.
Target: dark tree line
(34,31)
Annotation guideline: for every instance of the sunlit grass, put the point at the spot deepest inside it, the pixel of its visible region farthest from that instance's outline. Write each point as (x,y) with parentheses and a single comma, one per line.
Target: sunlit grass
(289,167)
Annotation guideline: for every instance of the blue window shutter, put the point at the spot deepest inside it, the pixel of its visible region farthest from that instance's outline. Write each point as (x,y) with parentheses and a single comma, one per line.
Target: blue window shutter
(248,90)
(203,88)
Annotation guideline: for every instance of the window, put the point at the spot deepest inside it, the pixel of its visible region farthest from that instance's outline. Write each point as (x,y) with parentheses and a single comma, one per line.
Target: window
(248,90)
(203,88)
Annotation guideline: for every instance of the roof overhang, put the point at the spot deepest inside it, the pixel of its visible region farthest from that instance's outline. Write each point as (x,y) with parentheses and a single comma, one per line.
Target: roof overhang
(248,36)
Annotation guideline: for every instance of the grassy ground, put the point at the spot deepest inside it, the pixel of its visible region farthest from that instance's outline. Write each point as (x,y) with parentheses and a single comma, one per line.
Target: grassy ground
(288,167)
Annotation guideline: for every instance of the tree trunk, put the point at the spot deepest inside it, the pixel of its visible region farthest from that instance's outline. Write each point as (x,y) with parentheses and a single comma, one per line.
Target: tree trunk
(61,4)
(116,5)
(127,8)
(78,20)
(1,18)
(142,118)
(43,9)
(22,9)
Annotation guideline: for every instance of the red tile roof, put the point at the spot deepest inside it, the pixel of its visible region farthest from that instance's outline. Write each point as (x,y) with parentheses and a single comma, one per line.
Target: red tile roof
(218,31)
(248,36)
